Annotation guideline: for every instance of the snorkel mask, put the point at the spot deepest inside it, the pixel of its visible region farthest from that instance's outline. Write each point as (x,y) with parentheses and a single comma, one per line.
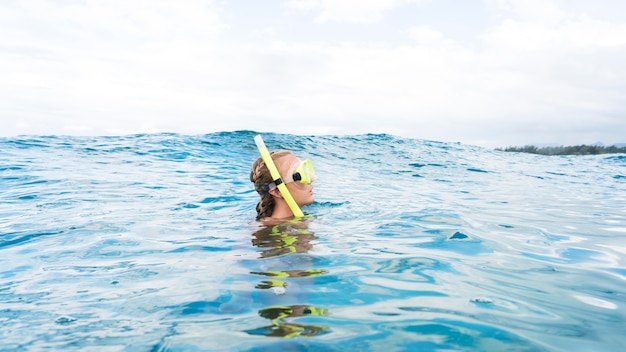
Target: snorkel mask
(300,170)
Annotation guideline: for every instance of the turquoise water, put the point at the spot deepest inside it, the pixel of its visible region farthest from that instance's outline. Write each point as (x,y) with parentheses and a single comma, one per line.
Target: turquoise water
(148,243)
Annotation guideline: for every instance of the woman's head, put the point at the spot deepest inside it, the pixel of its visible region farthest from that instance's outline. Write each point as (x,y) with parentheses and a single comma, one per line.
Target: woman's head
(272,203)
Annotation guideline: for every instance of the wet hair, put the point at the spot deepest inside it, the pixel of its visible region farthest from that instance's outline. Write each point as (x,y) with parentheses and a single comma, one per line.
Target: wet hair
(260,176)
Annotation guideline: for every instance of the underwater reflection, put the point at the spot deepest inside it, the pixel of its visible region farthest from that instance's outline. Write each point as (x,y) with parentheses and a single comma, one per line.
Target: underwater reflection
(283,247)
(283,238)
(266,284)
(281,328)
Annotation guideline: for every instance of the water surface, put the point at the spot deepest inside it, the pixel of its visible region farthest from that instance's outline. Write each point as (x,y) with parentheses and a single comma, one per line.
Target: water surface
(148,243)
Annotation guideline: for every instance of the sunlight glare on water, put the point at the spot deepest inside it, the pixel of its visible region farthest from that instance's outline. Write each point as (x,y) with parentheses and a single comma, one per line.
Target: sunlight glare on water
(148,242)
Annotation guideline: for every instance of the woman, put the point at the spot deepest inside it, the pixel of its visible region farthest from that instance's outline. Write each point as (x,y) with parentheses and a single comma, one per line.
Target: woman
(297,176)
(279,237)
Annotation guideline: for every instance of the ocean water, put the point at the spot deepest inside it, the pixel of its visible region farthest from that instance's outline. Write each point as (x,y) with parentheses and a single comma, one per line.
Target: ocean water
(149,243)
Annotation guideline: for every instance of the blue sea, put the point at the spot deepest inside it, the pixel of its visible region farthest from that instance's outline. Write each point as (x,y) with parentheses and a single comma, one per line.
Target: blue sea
(149,243)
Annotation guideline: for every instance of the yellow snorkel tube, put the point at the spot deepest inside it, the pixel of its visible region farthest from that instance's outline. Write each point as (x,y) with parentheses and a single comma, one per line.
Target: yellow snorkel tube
(265,154)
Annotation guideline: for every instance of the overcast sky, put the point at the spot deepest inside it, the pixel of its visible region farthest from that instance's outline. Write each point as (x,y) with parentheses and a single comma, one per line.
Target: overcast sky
(493,73)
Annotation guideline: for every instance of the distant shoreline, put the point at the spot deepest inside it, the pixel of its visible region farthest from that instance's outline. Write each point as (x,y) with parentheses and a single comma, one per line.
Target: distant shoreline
(569,150)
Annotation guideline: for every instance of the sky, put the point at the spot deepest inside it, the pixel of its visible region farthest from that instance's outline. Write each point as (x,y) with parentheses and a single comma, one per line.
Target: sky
(492,73)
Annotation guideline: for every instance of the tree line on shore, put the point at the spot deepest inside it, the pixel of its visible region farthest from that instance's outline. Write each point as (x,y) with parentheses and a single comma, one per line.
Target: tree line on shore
(568,150)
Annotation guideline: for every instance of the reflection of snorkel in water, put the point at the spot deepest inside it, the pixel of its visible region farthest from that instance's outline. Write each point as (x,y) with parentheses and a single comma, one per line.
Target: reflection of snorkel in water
(283,239)
(280,328)
(290,237)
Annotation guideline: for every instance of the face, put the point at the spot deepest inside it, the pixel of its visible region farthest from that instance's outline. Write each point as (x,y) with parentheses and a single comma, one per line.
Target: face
(301,193)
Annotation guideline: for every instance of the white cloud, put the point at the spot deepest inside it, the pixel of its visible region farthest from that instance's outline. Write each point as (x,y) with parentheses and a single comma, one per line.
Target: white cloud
(425,34)
(303,4)
(92,61)
(350,11)
(573,32)
(97,25)
(114,67)
(543,11)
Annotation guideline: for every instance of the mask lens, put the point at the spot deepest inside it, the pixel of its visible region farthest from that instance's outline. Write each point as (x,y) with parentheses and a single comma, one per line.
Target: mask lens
(302,172)
(305,173)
